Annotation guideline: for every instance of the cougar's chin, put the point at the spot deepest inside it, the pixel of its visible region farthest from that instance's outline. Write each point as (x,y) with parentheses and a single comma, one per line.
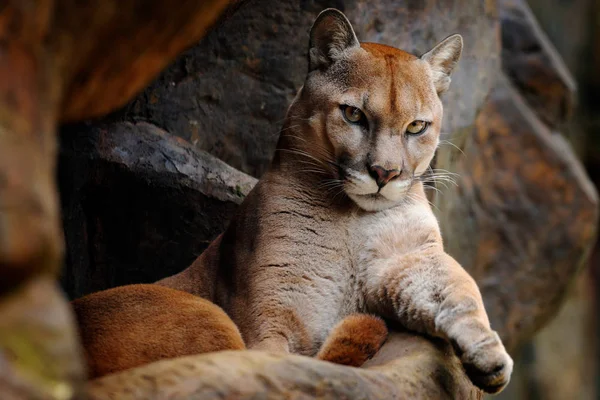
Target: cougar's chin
(368,196)
(372,202)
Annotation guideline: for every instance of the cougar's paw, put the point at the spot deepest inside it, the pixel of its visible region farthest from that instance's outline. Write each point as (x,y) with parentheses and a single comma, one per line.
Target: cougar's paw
(488,365)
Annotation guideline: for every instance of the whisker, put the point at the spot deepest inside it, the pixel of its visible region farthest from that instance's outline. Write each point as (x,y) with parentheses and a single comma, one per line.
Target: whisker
(416,199)
(332,188)
(316,171)
(325,185)
(303,153)
(434,188)
(341,191)
(437,170)
(453,145)
(442,182)
(289,127)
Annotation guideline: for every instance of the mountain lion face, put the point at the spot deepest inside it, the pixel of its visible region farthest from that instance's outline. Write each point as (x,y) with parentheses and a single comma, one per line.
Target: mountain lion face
(373,111)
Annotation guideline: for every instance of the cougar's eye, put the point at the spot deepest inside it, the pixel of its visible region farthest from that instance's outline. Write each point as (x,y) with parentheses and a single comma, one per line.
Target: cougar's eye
(353,115)
(417,127)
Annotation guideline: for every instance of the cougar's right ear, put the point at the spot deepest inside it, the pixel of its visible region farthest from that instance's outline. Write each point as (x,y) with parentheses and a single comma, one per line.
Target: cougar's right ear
(330,36)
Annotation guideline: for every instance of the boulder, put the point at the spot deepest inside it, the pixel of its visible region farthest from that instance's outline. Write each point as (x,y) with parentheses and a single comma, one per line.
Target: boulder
(63,60)
(138,204)
(534,66)
(421,369)
(523,216)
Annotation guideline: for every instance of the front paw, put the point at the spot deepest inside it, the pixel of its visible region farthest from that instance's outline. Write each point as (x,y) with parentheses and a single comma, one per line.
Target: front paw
(488,365)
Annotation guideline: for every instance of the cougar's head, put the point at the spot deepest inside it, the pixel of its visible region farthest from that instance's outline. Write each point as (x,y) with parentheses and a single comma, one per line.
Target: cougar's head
(370,114)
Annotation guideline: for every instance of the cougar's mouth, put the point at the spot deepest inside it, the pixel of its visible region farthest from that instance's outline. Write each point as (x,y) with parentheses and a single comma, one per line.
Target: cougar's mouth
(371,196)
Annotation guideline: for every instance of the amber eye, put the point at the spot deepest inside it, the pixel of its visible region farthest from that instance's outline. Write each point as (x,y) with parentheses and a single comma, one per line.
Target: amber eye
(417,127)
(353,115)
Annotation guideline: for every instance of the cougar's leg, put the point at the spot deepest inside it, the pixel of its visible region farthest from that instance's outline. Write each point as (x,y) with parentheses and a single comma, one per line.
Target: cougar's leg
(429,292)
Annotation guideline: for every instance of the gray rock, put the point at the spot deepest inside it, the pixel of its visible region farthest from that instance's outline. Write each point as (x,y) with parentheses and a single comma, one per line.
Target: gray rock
(139,204)
(523,217)
(534,66)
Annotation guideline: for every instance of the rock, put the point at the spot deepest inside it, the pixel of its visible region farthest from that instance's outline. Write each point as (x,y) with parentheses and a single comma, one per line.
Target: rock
(523,217)
(421,369)
(62,59)
(534,66)
(228,95)
(138,203)
(571,40)
(115,48)
(37,334)
(563,347)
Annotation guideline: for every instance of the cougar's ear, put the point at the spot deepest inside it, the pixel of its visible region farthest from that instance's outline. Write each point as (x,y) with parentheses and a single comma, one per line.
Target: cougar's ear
(442,59)
(330,36)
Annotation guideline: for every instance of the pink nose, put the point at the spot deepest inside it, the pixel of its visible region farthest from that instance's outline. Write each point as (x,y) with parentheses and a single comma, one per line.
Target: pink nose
(382,176)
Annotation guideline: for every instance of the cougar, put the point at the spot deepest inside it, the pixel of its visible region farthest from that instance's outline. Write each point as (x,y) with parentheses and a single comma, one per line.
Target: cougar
(339,226)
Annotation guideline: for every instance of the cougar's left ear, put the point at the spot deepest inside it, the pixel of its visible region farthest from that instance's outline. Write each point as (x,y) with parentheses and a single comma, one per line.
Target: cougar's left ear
(330,35)
(442,59)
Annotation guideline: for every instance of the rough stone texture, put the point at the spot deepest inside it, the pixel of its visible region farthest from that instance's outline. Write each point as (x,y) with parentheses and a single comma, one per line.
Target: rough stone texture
(420,369)
(556,363)
(564,365)
(139,204)
(534,65)
(523,217)
(569,24)
(109,50)
(39,357)
(229,94)
(62,59)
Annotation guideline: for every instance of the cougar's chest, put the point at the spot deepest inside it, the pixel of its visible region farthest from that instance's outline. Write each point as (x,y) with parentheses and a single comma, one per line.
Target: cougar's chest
(392,232)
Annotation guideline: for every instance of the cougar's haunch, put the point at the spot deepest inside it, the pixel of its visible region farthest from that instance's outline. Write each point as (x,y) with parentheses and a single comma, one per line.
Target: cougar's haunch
(129,326)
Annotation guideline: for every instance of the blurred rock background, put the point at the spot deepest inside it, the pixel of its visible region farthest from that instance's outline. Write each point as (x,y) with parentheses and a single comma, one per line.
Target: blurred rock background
(563,360)
(144,190)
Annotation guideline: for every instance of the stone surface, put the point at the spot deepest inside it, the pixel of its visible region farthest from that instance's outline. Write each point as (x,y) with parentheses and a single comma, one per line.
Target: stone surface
(62,59)
(109,50)
(138,204)
(534,66)
(555,363)
(39,356)
(420,369)
(523,217)
(228,95)
(570,25)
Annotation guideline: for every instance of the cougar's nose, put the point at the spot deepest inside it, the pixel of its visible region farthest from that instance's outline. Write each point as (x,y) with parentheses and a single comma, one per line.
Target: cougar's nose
(381,175)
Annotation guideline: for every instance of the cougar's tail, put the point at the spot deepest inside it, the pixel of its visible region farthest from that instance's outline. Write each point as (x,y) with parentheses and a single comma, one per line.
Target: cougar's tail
(354,340)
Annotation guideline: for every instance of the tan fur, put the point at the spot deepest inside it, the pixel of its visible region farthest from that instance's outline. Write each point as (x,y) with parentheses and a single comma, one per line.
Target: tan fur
(354,340)
(130,326)
(317,240)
